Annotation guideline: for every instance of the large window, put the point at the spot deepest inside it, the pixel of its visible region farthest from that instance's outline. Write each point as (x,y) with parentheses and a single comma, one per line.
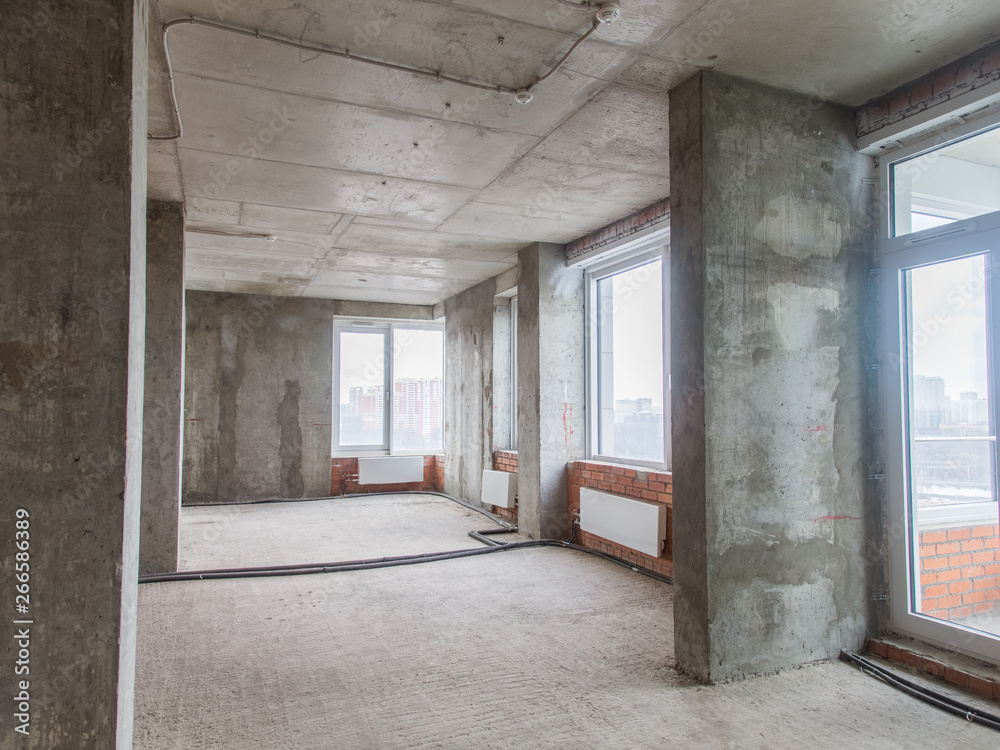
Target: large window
(940,257)
(628,381)
(513,373)
(389,378)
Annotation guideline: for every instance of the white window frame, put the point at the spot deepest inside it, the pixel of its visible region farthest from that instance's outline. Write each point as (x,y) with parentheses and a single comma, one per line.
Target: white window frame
(513,373)
(654,246)
(388,328)
(898,254)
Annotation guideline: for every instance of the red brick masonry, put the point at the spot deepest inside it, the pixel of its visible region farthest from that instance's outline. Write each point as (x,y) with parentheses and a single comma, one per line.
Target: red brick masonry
(960,572)
(619,230)
(505,461)
(969,73)
(344,478)
(651,486)
(988,688)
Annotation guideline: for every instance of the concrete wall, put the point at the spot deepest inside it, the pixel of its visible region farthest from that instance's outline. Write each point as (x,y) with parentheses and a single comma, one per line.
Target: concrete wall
(163,409)
(551,415)
(768,308)
(72,298)
(468,433)
(257,397)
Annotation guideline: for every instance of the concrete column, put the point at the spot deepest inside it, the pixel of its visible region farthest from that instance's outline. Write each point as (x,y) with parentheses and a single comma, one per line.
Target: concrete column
(768,296)
(72,299)
(163,410)
(468,433)
(550,385)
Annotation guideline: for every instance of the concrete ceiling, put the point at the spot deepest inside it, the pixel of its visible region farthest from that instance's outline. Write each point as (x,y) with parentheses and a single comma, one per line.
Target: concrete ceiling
(380,185)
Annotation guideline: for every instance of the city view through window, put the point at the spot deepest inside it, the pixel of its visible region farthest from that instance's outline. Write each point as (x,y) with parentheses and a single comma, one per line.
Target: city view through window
(630,369)
(416,397)
(952,445)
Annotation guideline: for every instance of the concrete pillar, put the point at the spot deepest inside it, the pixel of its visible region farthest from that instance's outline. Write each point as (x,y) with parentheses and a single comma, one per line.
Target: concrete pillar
(768,293)
(72,299)
(550,385)
(468,433)
(163,410)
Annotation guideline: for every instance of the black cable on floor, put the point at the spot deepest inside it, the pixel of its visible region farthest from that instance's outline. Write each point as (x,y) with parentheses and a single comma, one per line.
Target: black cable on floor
(387,562)
(381,562)
(921,692)
(279,501)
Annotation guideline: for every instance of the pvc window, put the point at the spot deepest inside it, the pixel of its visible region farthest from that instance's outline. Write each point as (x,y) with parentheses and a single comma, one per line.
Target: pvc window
(946,183)
(940,250)
(388,381)
(513,372)
(628,378)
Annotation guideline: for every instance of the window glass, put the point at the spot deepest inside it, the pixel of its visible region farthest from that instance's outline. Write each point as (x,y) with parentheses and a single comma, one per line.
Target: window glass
(951,444)
(630,363)
(418,390)
(948,184)
(513,373)
(362,388)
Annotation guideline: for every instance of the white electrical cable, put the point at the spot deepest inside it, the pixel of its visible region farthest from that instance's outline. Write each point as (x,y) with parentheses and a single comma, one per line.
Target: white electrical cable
(241,235)
(522,95)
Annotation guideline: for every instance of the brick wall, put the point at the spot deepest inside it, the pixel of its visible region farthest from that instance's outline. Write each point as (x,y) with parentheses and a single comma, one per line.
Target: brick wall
(651,486)
(619,230)
(438,473)
(962,76)
(960,572)
(344,478)
(505,461)
(945,667)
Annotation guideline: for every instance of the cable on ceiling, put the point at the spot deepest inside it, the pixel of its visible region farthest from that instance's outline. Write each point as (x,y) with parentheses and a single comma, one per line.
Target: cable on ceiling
(223,233)
(522,95)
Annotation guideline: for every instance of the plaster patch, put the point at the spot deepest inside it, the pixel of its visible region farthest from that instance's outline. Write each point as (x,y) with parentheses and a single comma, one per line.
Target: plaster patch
(797,313)
(801,229)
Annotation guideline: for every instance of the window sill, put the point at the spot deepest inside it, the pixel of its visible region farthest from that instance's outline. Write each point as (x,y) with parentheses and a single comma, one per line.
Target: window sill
(650,466)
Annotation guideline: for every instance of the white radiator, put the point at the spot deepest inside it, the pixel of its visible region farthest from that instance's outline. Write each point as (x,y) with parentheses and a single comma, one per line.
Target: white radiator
(390,470)
(499,488)
(631,523)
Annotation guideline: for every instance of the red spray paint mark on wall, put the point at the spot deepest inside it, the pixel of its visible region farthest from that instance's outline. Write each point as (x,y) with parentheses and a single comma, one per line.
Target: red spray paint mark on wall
(821,428)
(196,420)
(567,421)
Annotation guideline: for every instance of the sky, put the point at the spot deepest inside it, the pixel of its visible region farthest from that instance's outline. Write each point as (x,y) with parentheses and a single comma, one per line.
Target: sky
(638,333)
(948,331)
(417,354)
(637,330)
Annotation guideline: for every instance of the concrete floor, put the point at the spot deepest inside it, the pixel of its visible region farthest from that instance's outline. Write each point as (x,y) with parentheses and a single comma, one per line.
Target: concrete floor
(318,531)
(539,648)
